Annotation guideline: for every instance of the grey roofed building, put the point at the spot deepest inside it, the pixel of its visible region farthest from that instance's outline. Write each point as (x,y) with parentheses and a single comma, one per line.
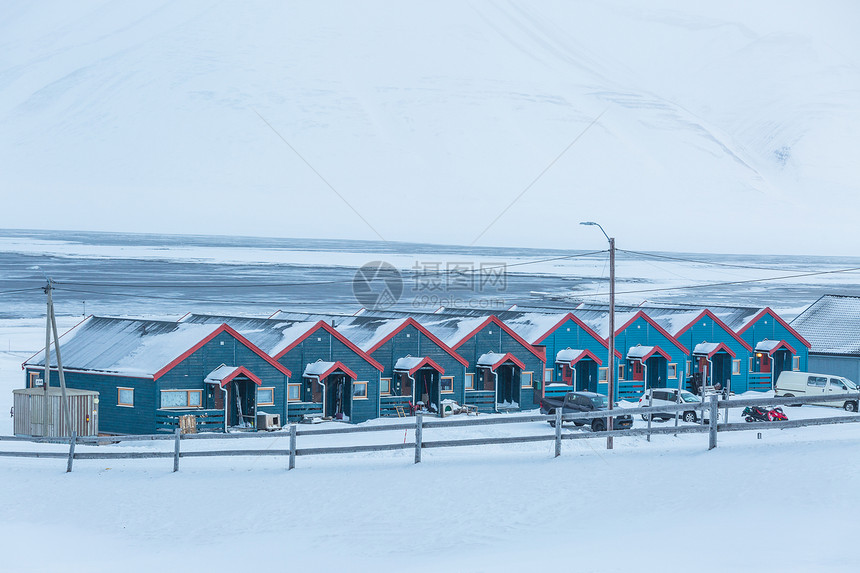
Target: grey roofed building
(832,326)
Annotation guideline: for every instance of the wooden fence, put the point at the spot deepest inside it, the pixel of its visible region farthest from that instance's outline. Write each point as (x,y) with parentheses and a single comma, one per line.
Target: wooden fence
(712,428)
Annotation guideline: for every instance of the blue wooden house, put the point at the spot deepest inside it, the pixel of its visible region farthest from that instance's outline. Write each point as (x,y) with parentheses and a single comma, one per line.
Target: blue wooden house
(149,372)
(505,371)
(338,379)
(776,347)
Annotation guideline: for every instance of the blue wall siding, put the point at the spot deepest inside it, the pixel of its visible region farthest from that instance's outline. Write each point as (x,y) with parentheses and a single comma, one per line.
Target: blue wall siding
(322,345)
(411,341)
(493,338)
(571,335)
(642,332)
(706,329)
(114,419)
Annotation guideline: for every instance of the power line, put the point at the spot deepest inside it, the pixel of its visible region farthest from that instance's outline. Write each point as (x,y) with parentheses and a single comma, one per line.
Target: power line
(707,263)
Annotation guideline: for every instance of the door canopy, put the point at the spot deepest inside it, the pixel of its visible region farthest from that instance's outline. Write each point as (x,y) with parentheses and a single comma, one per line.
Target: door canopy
(643,353)
(771,346)
(224,374)
(493,360)
(571,356)
(322,370)
(412,364)
(710,348)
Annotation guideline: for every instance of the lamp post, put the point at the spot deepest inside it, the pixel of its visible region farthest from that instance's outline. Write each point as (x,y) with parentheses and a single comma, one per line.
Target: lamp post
(610,374)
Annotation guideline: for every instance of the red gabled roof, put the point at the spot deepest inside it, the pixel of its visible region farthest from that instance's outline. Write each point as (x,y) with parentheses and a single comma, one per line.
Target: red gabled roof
(768,310)
(426,361)
(716,319)
(659,328)
(585,327)
(493,319)
(223,328)
(333,331)
(507,357)
(338,365)
(412,322)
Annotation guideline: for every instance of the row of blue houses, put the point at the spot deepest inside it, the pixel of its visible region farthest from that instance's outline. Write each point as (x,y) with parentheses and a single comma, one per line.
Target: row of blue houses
(388,363)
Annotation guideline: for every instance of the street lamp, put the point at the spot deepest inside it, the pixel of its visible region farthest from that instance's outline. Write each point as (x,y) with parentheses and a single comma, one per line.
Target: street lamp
(610,374)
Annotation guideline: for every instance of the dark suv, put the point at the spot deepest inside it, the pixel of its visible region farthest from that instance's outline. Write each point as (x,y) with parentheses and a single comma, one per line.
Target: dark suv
(576,402)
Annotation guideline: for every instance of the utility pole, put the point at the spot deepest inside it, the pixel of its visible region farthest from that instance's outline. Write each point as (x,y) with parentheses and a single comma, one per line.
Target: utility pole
(52,327)
(610,374)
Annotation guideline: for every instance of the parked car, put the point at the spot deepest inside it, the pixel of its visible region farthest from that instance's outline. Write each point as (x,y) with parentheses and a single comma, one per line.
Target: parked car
(791,384)
(667,396)
(576,402)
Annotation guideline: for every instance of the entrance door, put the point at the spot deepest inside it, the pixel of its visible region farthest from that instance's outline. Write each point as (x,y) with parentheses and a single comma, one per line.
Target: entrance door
(508,385)
(427,388)
(586,376)
(337,396)
(242,400)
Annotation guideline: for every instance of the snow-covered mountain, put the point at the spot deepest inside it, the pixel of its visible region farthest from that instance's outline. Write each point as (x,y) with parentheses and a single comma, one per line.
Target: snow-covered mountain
(726,127)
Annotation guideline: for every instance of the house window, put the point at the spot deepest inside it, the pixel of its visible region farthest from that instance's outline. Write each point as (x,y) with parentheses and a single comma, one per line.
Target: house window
(795,363)
(359,390)
(294,392)
(527,379)
(689,367)
(602,375)
(447,385)
(35,380)
(385,386)
(736,367)
(752,363)
(181,398)
(470,380)
(125,397)
(621,372)
(547,374)
(265,396)
(673,371)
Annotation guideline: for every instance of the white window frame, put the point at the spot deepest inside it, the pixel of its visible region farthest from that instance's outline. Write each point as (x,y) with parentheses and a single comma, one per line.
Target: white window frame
(736,367)
(187,405)
(752,363)
(292,385)
(621,368)
(269,388)
(119,402)
(795,363)
(603,375)
(382,390)
(547,375)
(355,386)
(672,366)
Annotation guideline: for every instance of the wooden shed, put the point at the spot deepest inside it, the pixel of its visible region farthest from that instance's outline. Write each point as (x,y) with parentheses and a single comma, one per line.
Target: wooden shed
(29,411)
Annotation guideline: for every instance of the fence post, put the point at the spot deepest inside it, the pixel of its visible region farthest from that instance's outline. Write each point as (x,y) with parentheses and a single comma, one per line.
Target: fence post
(418,427)
(72,440)
(650,403)
(558,412)
(292,446)
(176,450)
(712,423)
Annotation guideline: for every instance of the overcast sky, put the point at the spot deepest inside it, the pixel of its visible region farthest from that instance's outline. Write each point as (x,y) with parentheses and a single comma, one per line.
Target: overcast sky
(729,127)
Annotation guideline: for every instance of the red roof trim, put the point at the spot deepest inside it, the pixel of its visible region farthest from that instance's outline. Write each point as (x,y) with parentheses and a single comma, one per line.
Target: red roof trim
(720,346)
(493,319)
(333,331)
(586,354)
(338,365)
(223,328)
(426,361)
(582,325)
(719,322)
(508,357)
(412,322)
(659,328)
(777,318)
(241,370)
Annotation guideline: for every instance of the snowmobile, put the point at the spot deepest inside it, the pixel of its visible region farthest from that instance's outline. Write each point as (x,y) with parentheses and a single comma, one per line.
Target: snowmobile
(763,414)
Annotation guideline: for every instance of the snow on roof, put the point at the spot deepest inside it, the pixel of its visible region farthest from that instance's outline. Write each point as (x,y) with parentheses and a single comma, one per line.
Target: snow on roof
(831,324)
(771,345)
(217,375)
(531,326)
(490,358)
(269,335)
(639,351)
(367,331)
(706,348)
(408,362)
(450,329)
(132,347)
(318,368)
(568,355)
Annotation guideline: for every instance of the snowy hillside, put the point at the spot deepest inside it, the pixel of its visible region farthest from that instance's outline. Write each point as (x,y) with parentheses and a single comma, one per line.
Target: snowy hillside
(725,128)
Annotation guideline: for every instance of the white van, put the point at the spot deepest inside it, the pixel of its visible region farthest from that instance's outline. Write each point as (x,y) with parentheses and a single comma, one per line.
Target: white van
(791,384)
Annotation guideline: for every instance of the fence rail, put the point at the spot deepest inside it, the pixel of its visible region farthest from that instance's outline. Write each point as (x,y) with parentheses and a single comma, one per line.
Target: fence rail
(713,427)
